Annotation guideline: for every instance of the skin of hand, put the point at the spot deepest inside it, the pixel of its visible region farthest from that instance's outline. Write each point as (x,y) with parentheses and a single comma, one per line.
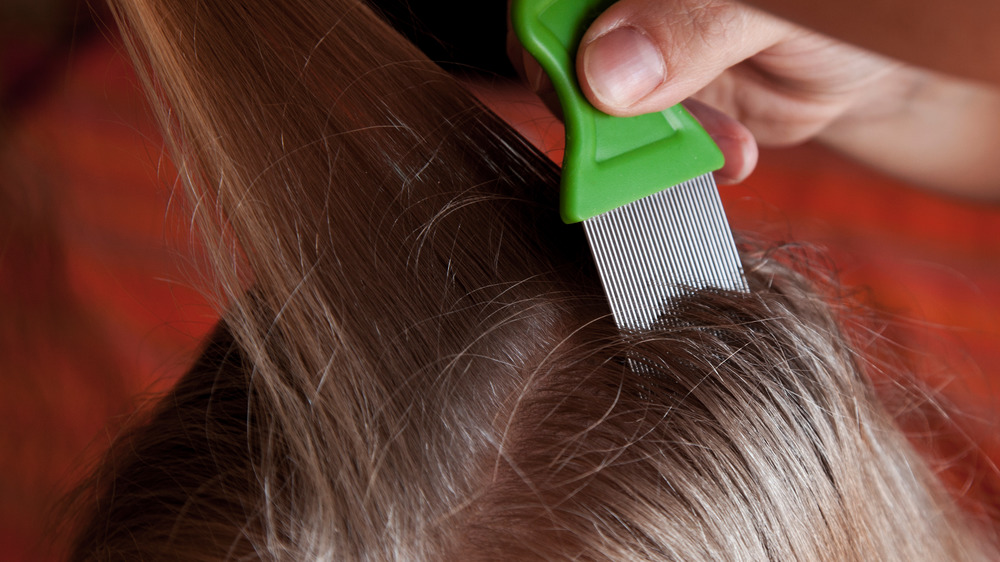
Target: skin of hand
(956,37)
(761,79)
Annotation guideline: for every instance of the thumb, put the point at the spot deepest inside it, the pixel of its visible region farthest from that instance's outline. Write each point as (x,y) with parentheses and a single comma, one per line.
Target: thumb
(641,56)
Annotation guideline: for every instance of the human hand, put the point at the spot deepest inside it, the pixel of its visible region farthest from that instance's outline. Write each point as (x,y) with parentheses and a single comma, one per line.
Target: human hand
(766,78)
(783,81)
(751,78)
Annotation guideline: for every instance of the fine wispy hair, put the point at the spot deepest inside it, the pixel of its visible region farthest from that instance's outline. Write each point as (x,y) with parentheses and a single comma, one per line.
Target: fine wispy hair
(415,360)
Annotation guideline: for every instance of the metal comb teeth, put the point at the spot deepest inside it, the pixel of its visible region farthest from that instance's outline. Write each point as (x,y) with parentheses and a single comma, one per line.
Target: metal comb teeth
(661,247)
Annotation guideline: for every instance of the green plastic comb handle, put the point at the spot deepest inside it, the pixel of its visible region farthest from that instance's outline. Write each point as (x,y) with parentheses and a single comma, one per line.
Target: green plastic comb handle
(610,161)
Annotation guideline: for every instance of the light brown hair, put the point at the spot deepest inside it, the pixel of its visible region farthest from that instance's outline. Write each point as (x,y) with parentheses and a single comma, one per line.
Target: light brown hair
(416,361)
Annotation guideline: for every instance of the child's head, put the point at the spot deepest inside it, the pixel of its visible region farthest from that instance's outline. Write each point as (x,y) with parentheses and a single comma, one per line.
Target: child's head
(416,360)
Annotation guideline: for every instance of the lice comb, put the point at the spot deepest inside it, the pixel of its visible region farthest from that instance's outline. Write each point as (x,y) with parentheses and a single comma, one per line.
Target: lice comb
(642,186)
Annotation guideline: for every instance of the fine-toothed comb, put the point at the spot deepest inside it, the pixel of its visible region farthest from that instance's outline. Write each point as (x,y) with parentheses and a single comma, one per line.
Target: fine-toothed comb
(652,242)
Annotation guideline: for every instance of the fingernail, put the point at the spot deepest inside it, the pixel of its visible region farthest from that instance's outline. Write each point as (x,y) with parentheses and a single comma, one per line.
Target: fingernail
(623,66)
(740,159)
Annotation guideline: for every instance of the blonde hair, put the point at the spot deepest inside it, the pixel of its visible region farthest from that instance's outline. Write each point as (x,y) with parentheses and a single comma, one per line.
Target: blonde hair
(416,361)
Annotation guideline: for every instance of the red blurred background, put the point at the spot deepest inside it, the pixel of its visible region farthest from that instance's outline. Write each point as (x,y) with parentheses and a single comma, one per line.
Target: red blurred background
(99,307)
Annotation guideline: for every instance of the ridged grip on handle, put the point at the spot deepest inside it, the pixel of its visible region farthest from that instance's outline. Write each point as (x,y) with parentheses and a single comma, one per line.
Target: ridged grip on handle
(609,161)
